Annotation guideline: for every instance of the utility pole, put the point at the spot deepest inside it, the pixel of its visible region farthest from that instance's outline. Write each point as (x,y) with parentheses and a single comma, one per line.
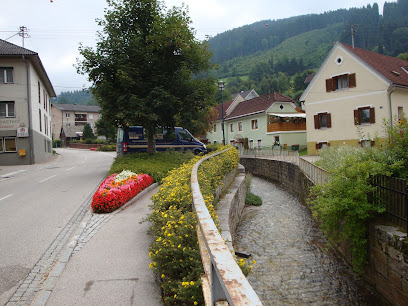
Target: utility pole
(23,33)
(352,35)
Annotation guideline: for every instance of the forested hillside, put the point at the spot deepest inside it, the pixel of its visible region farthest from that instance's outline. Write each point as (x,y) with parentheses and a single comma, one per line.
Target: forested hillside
(271,52)
(75,97)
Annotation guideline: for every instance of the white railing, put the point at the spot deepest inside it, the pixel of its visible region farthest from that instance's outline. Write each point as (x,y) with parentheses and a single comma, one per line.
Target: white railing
(223,280)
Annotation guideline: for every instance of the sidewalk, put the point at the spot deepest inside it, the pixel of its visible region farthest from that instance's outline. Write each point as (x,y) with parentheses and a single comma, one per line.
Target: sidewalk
(112,268)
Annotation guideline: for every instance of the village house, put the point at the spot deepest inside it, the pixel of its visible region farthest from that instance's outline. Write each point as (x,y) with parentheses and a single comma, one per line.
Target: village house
(351,94)
(68,120)
(25,107)
(272,119)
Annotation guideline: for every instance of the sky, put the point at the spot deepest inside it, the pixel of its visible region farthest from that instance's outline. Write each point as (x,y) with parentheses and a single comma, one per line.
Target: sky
(57,27)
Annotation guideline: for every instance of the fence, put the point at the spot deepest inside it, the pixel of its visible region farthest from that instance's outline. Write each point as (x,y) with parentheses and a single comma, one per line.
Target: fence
(271,152)
(393,191)
(316,174)
(223,280)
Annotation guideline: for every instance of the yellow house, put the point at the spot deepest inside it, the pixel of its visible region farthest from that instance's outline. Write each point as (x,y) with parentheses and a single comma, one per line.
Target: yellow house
(351,94)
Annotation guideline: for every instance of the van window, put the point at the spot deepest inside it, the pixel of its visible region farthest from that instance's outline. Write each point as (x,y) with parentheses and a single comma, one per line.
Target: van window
(184,135)
(120,135)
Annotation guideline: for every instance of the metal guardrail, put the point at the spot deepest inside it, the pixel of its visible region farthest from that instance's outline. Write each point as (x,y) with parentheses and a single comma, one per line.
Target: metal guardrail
(223,280)
(316,174)
(271,152)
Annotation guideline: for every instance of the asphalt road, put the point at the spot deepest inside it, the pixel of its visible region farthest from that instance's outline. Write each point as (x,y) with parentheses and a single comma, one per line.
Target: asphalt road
(36,202)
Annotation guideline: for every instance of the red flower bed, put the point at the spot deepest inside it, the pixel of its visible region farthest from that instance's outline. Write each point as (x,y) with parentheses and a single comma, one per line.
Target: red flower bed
(111,195)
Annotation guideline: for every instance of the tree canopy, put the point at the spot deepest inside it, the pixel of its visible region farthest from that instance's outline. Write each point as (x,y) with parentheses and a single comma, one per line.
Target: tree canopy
(148,69)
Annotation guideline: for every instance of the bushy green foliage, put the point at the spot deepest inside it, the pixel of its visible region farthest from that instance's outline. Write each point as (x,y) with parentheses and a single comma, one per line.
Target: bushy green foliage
(107,148)
(343,206)
(157,165)
(212,147)
(88,133)
(253,199)
(175,250)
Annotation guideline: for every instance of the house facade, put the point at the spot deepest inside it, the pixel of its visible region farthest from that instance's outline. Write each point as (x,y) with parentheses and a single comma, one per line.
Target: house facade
(351,94)
(68,120)
(262,122)
(25,107)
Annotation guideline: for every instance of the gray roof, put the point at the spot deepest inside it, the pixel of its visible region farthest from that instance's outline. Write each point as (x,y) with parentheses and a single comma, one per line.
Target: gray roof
(78,108)
(7,48)
(11,50)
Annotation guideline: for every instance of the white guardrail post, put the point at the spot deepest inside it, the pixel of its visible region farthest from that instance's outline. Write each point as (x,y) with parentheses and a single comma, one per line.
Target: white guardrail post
(224,277)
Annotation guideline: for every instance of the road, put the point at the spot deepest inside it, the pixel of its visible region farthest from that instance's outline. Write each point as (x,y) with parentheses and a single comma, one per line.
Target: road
(37,202)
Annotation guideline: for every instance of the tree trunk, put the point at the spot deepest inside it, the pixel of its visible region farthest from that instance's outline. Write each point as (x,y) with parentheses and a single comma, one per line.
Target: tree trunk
(150,142)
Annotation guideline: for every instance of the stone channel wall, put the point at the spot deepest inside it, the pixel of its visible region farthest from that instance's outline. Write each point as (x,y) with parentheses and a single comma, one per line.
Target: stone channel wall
(232,203)
(387,269)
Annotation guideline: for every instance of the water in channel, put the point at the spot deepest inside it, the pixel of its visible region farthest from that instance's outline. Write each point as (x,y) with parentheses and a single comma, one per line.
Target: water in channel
(293,265)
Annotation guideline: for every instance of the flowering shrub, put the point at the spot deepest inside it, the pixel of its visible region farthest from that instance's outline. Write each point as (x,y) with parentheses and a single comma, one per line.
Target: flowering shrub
(175,251)
(118,189)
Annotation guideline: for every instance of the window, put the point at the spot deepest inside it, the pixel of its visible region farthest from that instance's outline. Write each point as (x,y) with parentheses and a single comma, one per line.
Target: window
(67,115)
(8,144)
(232,127)
(215,128)
(44,97)
(6,75)
(365,143)
(45,125)
(39,115)
(39,92)
(364,115)
(80,119)
(254,124)
(259,143)
(341,81)
(91,116)
(185,136)
(7,109)
(240,126)
(251,143)
(322,144)
(322,120)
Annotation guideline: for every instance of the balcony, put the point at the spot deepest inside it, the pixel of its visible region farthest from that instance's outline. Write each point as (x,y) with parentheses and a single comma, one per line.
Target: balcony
(286,126)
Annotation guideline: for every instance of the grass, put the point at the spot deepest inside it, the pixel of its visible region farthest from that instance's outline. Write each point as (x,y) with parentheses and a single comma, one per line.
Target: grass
(253,199)
(157,165)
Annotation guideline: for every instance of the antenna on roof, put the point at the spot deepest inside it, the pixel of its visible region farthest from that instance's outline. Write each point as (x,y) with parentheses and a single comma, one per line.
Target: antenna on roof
(23,33)
(352,35)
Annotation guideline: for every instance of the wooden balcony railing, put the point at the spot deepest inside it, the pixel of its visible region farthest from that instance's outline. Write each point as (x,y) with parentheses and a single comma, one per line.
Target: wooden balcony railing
(286,126)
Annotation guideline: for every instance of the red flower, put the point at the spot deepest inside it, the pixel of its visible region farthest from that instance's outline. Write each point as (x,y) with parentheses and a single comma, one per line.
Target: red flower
(110,195)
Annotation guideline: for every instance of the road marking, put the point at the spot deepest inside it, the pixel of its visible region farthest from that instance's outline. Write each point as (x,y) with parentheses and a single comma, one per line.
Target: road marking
(12,173)
(3,198)
(70,168)
(47,179)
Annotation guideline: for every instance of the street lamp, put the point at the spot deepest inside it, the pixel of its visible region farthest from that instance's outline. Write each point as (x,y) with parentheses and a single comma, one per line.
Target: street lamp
(221,88)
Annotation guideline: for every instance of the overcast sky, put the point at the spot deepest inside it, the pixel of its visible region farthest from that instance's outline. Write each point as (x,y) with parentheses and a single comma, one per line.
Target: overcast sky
(56,28)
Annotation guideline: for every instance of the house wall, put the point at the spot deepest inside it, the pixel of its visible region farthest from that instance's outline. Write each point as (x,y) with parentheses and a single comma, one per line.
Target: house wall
(371,90)
(17,92)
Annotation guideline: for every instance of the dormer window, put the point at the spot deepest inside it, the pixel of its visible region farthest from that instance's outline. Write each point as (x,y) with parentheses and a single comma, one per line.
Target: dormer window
(340,82)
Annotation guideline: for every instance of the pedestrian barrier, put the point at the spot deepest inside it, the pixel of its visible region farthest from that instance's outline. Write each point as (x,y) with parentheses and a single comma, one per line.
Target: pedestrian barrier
(223,279)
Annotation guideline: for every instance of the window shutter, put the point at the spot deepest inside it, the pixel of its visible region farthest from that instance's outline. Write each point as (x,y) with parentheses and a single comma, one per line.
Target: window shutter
(372,143)
(329,120)
(356,117)
(316,121)
(352,80)
(372,115)
(329,85)
(317,146)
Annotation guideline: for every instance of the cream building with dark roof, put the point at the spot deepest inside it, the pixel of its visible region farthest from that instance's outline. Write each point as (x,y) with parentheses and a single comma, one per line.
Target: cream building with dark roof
(25,108)
(68,120)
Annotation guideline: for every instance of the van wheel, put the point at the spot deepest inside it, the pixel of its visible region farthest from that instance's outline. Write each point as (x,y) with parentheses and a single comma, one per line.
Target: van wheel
(196,152)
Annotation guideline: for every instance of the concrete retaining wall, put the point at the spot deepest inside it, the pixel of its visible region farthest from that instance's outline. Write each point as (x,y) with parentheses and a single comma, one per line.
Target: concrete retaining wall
(387,269)
(231,205)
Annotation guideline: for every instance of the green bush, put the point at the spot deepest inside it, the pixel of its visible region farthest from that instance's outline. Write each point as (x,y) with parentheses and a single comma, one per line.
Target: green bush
(253,199)
(106,148)
(157,165)
(212,147)
(342,206)
(175,251)
(56,143)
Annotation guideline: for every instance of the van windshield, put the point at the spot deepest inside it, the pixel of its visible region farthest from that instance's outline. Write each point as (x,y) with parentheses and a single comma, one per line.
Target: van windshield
(185,136)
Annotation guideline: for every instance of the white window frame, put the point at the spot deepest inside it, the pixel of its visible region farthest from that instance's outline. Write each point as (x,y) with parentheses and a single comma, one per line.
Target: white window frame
(251,143)
(252,124)
(67,115)
(7,109)
(240,126)
(259,143)
(3,71)
(3,148)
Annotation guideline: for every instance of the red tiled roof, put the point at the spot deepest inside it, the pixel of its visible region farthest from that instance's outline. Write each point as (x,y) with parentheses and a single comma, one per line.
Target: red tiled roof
(257,105)
(219,109)
(392,68)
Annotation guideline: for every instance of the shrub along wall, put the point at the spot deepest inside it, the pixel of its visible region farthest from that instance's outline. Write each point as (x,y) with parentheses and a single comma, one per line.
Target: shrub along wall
(387,269)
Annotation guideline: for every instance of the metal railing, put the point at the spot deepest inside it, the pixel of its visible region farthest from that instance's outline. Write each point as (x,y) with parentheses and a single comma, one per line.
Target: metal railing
(275,152)
(316,174)
(223,280)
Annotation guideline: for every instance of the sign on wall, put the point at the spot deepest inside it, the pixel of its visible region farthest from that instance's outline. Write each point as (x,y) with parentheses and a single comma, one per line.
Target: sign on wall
(22,132)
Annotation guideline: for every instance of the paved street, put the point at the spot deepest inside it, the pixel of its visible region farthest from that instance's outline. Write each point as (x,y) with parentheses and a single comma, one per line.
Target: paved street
(39,206)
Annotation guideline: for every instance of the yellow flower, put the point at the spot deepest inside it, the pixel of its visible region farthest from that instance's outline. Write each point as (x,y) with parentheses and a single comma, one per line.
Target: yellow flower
(162,276)
(192,283)
(253,261)
(195,303)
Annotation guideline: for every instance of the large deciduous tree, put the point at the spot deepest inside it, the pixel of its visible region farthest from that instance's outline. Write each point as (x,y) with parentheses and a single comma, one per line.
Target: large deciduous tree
(148,68)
